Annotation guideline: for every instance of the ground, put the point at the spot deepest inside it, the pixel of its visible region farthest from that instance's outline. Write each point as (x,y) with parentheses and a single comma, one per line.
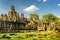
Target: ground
(31,35)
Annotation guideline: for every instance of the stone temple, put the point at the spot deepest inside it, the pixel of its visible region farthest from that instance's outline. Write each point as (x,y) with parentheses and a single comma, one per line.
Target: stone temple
(15,21)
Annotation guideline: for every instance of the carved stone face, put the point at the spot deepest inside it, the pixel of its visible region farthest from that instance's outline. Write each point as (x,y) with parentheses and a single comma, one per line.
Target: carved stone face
(12,15)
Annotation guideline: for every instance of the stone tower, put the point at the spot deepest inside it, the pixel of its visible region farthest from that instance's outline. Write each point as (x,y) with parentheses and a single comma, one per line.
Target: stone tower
(12,8)
(5,18)
(12,15)
(22,18)
(1,17)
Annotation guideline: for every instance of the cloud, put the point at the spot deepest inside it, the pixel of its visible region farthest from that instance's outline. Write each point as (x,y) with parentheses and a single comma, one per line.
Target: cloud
(42,0)
(58,4)
(31,8)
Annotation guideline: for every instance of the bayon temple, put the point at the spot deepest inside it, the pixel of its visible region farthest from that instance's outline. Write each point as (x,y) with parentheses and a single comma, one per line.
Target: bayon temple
(15,21)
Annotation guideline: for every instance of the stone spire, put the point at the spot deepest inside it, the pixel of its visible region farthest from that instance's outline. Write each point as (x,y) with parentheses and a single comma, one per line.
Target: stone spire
(22,16)
(12,8)
(12,15)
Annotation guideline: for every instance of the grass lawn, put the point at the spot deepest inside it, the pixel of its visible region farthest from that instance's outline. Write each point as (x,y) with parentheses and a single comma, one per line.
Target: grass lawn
(32,35)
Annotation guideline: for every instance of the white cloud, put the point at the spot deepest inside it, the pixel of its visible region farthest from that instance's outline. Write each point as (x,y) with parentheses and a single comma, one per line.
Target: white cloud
(31,8)
(42,0)
(58,4)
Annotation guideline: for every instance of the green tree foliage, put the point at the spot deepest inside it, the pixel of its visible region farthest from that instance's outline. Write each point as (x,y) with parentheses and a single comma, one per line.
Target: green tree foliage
(58,22)
(49,17)
(35,17)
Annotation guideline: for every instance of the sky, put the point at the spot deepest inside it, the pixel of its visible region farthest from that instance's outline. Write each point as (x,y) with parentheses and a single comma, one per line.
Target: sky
(27,7)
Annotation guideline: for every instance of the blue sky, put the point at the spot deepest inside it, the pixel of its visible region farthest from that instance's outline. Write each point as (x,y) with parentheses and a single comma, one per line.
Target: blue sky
(40,7)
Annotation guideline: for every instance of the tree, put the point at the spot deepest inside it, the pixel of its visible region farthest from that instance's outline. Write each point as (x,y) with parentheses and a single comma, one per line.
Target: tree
(49,18)
(58,22)
(34,17)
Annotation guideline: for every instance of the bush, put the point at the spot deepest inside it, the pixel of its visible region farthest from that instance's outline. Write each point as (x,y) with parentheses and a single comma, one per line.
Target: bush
(12,34)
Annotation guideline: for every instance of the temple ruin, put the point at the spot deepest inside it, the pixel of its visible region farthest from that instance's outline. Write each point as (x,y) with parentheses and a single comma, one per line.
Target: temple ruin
(15,21)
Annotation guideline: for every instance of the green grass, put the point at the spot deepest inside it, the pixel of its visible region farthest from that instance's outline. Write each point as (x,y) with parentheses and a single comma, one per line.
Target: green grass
(32,35)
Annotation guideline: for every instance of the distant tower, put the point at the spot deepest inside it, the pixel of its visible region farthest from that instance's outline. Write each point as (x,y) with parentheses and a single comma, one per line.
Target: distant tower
(12,15)
(5,18)
(1,17)
(22,18)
